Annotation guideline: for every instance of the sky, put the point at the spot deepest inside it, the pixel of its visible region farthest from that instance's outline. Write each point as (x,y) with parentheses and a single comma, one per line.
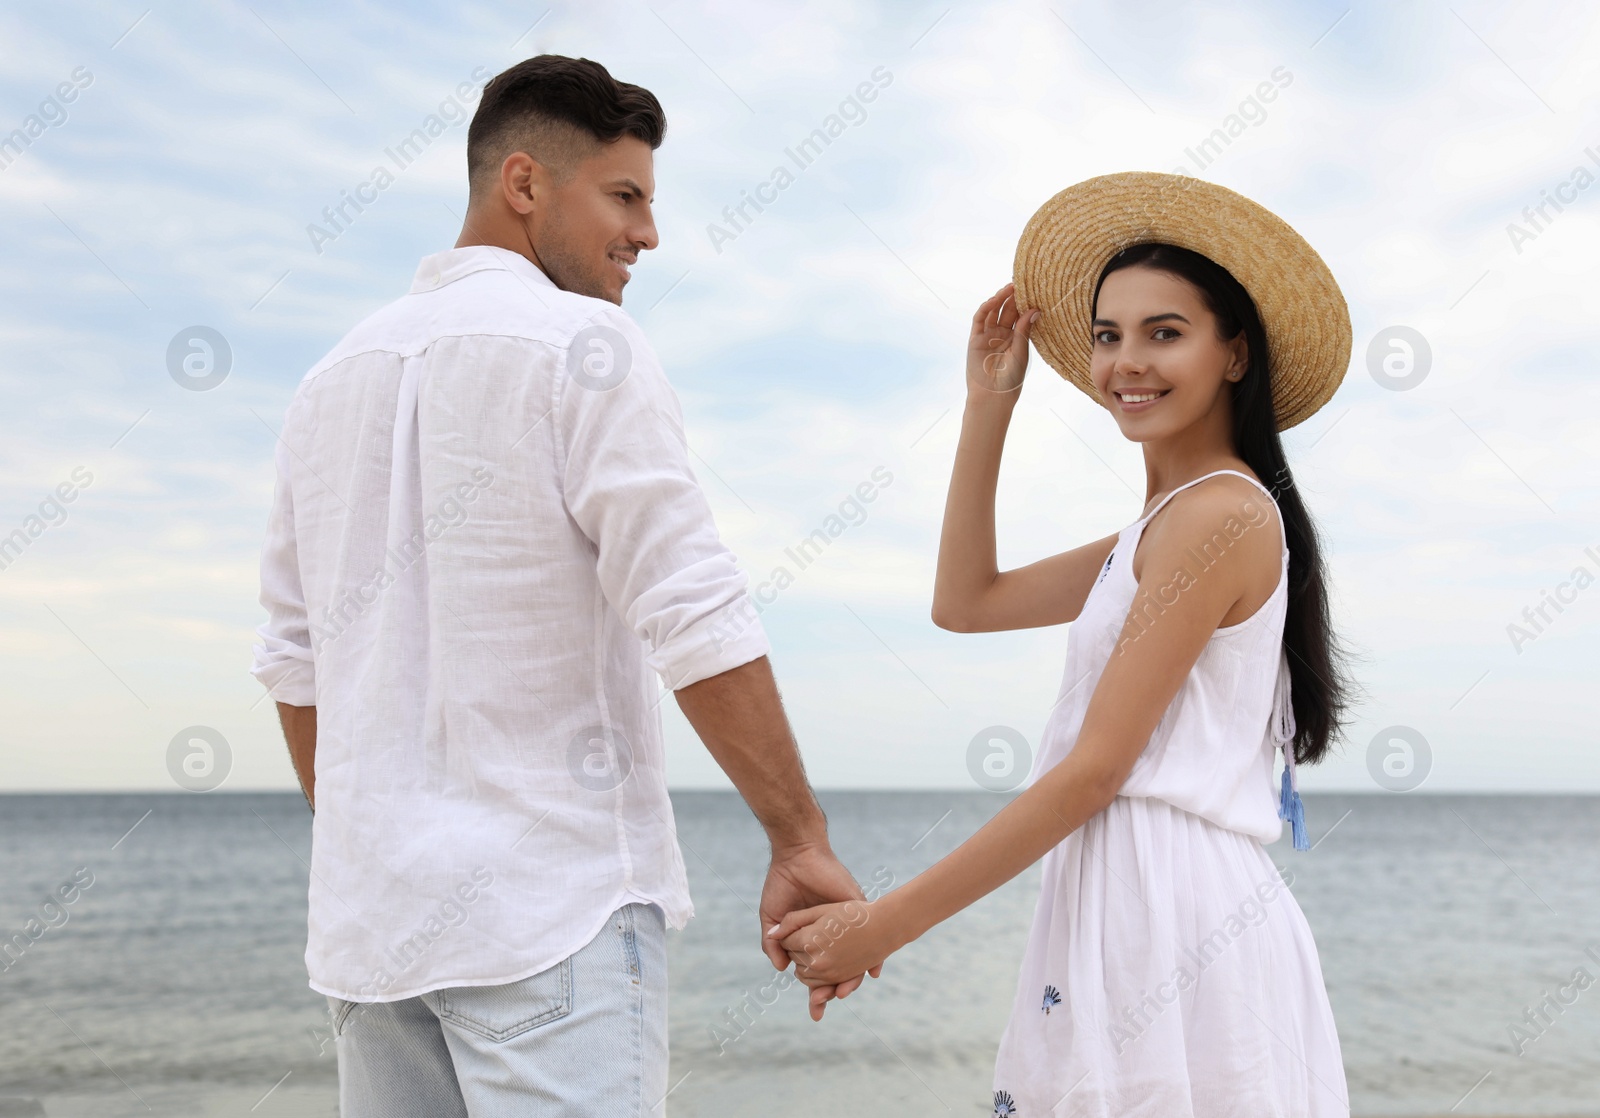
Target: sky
(184,154)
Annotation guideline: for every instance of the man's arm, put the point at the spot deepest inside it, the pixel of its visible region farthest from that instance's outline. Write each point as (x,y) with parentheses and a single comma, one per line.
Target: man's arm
(740,718)
(284,661)
(300,731)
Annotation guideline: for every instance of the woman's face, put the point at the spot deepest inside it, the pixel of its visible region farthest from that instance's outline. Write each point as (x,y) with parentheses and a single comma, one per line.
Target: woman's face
(1155,337)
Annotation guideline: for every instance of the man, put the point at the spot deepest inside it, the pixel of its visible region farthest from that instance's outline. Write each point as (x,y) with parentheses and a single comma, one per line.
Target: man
(485,528)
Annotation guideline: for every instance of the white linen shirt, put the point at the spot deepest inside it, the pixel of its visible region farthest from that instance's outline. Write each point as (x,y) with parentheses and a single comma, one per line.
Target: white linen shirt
(484,529)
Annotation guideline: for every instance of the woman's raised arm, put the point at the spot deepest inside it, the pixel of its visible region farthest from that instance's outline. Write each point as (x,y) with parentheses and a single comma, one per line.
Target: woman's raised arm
(970,595)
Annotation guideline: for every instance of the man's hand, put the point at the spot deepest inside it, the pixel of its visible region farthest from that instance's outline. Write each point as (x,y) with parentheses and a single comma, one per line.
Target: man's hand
(803,876)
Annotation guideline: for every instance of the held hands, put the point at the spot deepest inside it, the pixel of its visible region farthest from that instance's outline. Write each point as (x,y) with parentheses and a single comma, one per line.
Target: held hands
(997,351)
(801,876)
(833,942)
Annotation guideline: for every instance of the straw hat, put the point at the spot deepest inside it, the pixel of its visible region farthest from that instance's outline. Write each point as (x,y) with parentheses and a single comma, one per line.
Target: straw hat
(1073,235)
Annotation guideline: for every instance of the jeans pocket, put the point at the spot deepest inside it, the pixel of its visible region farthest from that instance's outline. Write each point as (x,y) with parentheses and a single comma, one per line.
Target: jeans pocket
(338,1010)
(499,1013)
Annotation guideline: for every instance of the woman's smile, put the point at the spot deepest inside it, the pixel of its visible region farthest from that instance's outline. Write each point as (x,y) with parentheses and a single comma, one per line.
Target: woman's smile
(1138,400)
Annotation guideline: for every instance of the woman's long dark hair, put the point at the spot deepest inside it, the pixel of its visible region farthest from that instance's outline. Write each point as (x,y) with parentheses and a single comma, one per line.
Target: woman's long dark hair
(1321,686)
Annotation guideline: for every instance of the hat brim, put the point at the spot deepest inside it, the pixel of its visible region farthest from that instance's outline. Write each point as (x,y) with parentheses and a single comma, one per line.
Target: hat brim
(1075,234)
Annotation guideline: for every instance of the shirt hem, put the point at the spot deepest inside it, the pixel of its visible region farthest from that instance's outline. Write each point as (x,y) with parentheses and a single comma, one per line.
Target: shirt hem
(622,897)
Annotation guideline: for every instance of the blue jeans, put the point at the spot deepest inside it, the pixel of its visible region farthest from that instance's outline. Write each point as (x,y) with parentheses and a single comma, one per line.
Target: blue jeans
(586,1037)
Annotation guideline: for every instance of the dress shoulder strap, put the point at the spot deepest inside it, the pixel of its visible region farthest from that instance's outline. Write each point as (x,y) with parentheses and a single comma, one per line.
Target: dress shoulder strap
(1282,530)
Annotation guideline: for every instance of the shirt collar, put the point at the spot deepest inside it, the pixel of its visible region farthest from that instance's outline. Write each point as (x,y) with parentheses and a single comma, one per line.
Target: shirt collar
(446,267)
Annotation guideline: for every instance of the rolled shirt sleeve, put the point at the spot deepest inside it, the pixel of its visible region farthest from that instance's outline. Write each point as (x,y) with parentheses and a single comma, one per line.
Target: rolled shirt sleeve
(628,485)
(284,662)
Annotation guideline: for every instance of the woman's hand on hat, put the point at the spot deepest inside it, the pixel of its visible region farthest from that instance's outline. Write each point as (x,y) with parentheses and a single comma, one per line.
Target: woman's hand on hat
(997,351)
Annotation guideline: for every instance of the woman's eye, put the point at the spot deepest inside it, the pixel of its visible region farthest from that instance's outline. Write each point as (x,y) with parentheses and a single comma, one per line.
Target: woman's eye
(1173,329)
(1100,335)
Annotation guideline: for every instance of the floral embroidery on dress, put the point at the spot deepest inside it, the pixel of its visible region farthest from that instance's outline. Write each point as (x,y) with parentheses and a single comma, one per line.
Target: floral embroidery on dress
(1004,1107)
(1106,568)
(1052,996)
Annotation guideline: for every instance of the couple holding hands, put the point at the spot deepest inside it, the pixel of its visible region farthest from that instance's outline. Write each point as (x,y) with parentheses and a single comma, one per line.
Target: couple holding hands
(468,698)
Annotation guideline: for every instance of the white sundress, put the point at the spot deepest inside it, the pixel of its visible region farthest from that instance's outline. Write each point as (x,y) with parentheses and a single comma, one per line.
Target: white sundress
(1169,972)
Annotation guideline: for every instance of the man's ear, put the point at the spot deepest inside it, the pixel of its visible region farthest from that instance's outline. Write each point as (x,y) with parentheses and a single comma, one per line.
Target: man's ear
(524,183)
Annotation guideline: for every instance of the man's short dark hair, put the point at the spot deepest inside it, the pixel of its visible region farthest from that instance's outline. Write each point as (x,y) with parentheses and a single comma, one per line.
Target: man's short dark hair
(559,110)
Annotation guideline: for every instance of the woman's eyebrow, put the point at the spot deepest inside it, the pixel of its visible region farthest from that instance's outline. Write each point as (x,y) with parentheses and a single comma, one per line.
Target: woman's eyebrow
(1148,321)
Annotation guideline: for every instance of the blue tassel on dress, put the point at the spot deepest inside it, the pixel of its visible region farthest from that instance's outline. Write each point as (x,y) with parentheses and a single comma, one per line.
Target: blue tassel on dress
(1290,809)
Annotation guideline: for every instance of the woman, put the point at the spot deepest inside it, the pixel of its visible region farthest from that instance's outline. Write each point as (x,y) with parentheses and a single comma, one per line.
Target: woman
(1169,973)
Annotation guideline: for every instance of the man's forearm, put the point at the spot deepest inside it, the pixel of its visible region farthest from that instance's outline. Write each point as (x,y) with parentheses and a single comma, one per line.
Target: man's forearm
(740,718)
(300,731)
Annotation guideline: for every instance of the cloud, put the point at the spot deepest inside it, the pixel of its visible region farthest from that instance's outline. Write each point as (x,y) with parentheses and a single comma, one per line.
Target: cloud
(825,340)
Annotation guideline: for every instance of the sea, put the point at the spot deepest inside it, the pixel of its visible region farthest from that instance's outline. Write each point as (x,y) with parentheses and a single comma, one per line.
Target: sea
(1459,938)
